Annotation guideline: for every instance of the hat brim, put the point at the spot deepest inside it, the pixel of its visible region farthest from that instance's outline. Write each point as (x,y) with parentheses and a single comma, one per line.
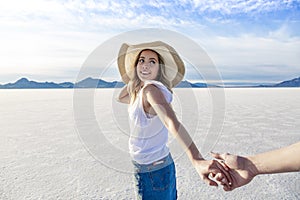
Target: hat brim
(174,66)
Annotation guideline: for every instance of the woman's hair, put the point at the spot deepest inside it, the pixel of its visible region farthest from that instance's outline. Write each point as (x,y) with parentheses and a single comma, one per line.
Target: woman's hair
(134,85)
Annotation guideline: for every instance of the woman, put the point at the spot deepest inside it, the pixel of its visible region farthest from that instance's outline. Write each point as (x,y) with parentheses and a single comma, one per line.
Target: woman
(150,71)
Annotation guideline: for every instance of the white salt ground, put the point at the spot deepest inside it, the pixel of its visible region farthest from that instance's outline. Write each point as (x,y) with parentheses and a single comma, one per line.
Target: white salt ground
(42,156)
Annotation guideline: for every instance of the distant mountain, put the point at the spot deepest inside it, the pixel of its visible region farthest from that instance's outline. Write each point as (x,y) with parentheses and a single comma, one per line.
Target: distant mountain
(24,83)
(289,83)
(187,84)
(66,85)
(97,83)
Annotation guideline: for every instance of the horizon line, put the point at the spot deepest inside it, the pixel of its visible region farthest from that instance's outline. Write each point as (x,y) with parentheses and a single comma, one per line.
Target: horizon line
(217,83)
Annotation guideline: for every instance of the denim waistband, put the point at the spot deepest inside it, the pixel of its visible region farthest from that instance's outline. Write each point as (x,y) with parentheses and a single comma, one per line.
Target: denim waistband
(142,168)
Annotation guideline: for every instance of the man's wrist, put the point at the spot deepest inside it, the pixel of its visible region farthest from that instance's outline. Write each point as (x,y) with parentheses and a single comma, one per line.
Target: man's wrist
(253,166)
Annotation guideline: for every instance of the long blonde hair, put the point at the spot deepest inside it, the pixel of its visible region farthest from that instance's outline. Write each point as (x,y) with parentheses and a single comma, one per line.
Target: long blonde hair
(134,85)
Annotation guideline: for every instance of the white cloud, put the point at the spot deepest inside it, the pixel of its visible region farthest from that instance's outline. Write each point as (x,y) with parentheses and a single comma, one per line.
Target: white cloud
(240,6)
(254,57)
(53,37)
(282,33)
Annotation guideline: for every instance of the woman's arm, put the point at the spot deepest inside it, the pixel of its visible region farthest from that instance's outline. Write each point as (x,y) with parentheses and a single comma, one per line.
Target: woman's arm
(124,95)
(163,109)
(244,169)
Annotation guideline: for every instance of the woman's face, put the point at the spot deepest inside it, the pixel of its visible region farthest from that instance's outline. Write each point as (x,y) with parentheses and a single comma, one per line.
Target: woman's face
(148,65)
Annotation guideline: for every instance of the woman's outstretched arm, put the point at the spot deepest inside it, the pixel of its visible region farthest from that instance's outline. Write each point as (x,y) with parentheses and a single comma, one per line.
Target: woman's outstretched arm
(157,102)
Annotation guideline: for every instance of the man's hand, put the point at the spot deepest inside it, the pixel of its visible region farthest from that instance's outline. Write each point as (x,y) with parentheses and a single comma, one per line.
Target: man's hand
(242,170)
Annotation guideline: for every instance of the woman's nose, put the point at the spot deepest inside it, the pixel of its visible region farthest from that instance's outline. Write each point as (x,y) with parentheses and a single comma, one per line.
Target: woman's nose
(146,65)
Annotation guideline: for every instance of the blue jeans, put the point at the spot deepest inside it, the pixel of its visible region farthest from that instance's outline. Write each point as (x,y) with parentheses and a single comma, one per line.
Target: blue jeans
(156,180)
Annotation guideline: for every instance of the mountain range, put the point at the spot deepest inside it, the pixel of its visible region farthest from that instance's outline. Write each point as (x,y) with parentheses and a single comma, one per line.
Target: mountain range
(289,83)
(24,83)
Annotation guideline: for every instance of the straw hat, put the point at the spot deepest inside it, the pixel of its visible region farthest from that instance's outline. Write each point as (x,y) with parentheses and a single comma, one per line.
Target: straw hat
(174,66)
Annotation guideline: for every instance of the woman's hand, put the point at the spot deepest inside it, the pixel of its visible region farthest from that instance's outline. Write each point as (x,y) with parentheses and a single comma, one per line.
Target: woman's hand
(124,96)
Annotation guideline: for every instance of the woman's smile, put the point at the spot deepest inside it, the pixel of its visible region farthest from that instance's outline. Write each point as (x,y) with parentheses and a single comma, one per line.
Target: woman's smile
(145,73)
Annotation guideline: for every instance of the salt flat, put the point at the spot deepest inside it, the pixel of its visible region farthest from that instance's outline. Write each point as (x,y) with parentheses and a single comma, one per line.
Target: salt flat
(50,149)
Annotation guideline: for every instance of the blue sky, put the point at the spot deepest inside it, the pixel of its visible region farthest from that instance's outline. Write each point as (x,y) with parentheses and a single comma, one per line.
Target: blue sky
(249,41)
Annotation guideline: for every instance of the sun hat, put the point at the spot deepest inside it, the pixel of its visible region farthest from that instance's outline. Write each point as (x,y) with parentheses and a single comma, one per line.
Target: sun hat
(174,66)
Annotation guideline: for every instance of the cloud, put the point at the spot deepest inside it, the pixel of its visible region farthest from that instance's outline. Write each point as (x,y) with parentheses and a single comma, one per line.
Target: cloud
(55,37)
(235,6)
(115,15)
(253,57)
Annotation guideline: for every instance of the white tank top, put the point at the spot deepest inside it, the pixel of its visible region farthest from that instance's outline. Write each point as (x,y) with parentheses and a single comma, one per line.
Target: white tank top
(148,135)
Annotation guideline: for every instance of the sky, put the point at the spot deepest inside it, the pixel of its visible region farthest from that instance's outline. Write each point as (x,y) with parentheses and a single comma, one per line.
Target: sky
(252,41)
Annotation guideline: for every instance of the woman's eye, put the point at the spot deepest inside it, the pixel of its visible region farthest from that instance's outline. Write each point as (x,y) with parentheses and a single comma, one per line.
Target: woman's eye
(152,62)
(141,60)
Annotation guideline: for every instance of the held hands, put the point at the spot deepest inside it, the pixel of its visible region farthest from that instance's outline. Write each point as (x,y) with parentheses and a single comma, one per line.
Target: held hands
(230,171)
(241,171)
(208,169)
